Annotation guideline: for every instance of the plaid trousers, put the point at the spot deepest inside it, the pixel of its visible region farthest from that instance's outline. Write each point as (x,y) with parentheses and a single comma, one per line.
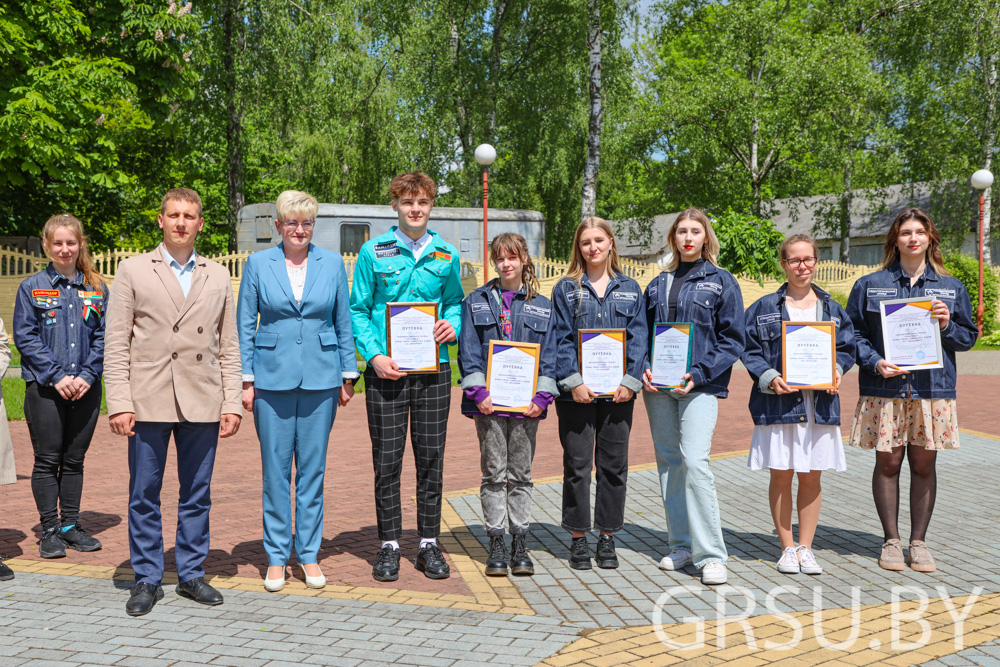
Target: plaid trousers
(424,400)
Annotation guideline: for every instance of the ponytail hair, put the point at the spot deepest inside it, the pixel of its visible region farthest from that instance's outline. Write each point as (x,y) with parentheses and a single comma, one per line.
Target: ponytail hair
(84,262)
(514,244)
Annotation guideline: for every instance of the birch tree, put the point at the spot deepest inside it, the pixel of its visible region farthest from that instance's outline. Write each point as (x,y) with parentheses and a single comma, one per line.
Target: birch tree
(593,163)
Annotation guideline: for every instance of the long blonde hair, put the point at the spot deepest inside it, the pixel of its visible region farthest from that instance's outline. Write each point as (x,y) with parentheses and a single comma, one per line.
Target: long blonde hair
(84,262)
(514,244)
(709,252)
(577,265)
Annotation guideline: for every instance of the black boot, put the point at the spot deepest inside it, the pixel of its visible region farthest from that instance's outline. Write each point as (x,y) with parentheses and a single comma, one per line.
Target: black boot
(579,554)
(6,574)
(77,538)
(496,562)
(520,561)
(606,557)
(51,544)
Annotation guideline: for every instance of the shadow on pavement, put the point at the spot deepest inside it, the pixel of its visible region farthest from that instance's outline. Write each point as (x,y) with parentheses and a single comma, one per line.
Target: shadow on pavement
(10,542)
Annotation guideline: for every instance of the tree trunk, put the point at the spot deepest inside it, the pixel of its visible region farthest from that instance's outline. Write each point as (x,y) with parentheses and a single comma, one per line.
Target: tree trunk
(232,21)
(989,144)
(592,166)
(500,16)
(846,199)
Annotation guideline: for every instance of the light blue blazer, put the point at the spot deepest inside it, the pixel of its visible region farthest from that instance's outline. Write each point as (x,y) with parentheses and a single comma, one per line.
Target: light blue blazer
(305,346)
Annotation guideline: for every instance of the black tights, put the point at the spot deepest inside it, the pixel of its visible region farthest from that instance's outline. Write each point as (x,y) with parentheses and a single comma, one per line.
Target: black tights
(923,489)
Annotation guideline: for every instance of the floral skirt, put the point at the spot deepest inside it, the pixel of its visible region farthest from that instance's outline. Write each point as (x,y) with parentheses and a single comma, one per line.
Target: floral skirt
(885,423)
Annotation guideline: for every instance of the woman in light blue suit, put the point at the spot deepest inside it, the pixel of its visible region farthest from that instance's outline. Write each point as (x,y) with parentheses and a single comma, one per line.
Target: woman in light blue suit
(298,365)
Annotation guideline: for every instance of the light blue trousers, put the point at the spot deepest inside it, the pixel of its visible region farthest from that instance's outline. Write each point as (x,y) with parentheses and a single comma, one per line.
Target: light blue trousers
(295,424)
(682,427)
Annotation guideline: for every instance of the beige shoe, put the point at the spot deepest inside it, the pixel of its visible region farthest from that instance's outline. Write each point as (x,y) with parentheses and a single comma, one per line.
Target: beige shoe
(892,556)
(920,557)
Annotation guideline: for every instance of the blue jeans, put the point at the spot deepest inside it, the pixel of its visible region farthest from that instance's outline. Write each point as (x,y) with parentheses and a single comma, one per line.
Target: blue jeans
(682,427)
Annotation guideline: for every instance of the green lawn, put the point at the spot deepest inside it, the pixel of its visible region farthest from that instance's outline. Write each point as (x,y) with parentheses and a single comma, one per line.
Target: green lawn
(13,398)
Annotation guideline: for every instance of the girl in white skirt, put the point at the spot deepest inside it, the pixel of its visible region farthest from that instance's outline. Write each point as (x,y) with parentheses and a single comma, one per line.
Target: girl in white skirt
(796,432)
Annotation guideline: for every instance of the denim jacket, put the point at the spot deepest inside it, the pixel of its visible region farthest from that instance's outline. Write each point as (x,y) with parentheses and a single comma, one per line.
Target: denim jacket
(578,307)
(531,322)
(958,336)
(762,357)
(59,328)
(710,298)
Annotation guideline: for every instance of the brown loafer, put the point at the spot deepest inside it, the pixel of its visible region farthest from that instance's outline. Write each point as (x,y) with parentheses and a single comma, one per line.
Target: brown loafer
(892,556)
(920,557)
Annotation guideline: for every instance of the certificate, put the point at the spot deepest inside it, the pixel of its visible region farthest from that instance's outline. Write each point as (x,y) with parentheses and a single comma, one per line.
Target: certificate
(809,355)
(512,374)
(670,356)
(911,336)
(410,336)
(601,355)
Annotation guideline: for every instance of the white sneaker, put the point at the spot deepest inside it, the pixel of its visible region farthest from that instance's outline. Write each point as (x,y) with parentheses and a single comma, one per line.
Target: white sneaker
(789,562)
(714,573)
(678,559)
(807,561)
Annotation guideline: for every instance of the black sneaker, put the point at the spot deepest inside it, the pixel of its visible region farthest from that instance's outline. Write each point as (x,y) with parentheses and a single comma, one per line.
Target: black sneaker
(520,561)
(386,564)
(6,574)
(431,562)
(579,554)
(77,538)
(496,563)
(606,557)
(51,544)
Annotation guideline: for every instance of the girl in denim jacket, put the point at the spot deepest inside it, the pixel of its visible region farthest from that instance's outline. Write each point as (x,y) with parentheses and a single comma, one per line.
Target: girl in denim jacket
(902,414)
(506,308)
(795,432)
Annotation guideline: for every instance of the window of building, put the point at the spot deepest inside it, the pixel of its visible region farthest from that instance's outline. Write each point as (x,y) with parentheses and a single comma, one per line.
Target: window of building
(353,235)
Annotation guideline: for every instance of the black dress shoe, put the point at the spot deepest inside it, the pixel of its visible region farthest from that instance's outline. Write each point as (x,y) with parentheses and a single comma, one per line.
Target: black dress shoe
(199,591)
(520,561)
(77,538)
(431,562)
(606,557)
(579,554)
(51,544)
(6,574)
(496,562)
(386,564)
(144,596)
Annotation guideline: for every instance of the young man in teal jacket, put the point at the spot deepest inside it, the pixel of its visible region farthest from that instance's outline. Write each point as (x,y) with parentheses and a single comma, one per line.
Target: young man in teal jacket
(409,263)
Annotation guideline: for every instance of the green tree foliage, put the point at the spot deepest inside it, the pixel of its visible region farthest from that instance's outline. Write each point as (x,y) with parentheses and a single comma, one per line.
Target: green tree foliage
(966,269)
(749,245)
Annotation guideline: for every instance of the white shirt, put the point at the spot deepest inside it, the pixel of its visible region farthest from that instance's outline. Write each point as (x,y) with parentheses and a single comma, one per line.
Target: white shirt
(416,247)
(183,273)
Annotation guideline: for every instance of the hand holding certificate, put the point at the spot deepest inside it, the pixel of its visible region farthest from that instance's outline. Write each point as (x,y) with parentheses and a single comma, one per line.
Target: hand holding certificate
(911,335)
(602,359)
(809,355)
(671,354)
(512,374)
(410,336)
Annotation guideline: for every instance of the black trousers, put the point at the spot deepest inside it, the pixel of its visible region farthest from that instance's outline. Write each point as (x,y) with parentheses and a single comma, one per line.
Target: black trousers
(423,400)
(594,433)
(60,431)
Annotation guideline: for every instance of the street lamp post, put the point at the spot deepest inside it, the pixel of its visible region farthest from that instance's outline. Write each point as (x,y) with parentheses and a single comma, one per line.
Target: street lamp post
(981,180)
(485,155)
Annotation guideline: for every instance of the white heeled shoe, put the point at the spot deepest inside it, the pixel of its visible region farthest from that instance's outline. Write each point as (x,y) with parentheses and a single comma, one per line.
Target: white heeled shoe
(312,582)
(274,585)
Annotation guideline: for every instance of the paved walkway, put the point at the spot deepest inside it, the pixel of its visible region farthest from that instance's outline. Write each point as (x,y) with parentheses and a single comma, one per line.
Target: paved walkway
(71,610)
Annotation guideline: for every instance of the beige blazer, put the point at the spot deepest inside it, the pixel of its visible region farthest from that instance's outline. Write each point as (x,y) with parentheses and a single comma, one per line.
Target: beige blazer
(7,473)
(167,358)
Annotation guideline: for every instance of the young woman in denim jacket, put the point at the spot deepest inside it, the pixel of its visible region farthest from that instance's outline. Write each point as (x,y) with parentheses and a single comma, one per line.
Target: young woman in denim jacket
(795,432)
(596,294)
(902,414)
(508,307)
(59,330)
(693,289)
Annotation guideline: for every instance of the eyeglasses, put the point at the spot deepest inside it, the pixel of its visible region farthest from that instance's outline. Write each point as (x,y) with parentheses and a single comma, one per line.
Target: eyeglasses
(306,225)
(795,262)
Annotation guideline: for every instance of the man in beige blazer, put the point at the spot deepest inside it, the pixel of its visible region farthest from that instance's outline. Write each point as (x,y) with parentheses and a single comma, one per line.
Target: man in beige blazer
(172,366)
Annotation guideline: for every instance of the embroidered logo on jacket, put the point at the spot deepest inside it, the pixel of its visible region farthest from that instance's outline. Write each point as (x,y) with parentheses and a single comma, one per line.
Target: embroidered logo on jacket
(387,249)
(712,287)
(577,295)
(536,310)
(768,319)
(625,296)
(480,307)
(947,293)
(881,291)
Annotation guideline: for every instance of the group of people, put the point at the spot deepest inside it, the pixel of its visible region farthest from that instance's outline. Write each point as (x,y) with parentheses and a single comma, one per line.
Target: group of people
(178,358)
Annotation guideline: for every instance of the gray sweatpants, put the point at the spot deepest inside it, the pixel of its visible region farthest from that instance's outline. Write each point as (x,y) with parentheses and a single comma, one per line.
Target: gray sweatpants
(507,446)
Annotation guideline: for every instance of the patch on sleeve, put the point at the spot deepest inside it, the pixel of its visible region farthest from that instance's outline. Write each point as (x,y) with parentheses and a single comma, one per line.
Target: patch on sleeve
(386,250)
(711,287)
(881,292)
(768,318)
(480,307)
(836,320)
(576,295)
(654,287)
(946,293)
(625,296)
(536,310)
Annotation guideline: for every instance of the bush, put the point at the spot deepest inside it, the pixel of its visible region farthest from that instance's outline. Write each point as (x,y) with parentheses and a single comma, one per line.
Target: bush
(749,245)
(839,297)
(966,269)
